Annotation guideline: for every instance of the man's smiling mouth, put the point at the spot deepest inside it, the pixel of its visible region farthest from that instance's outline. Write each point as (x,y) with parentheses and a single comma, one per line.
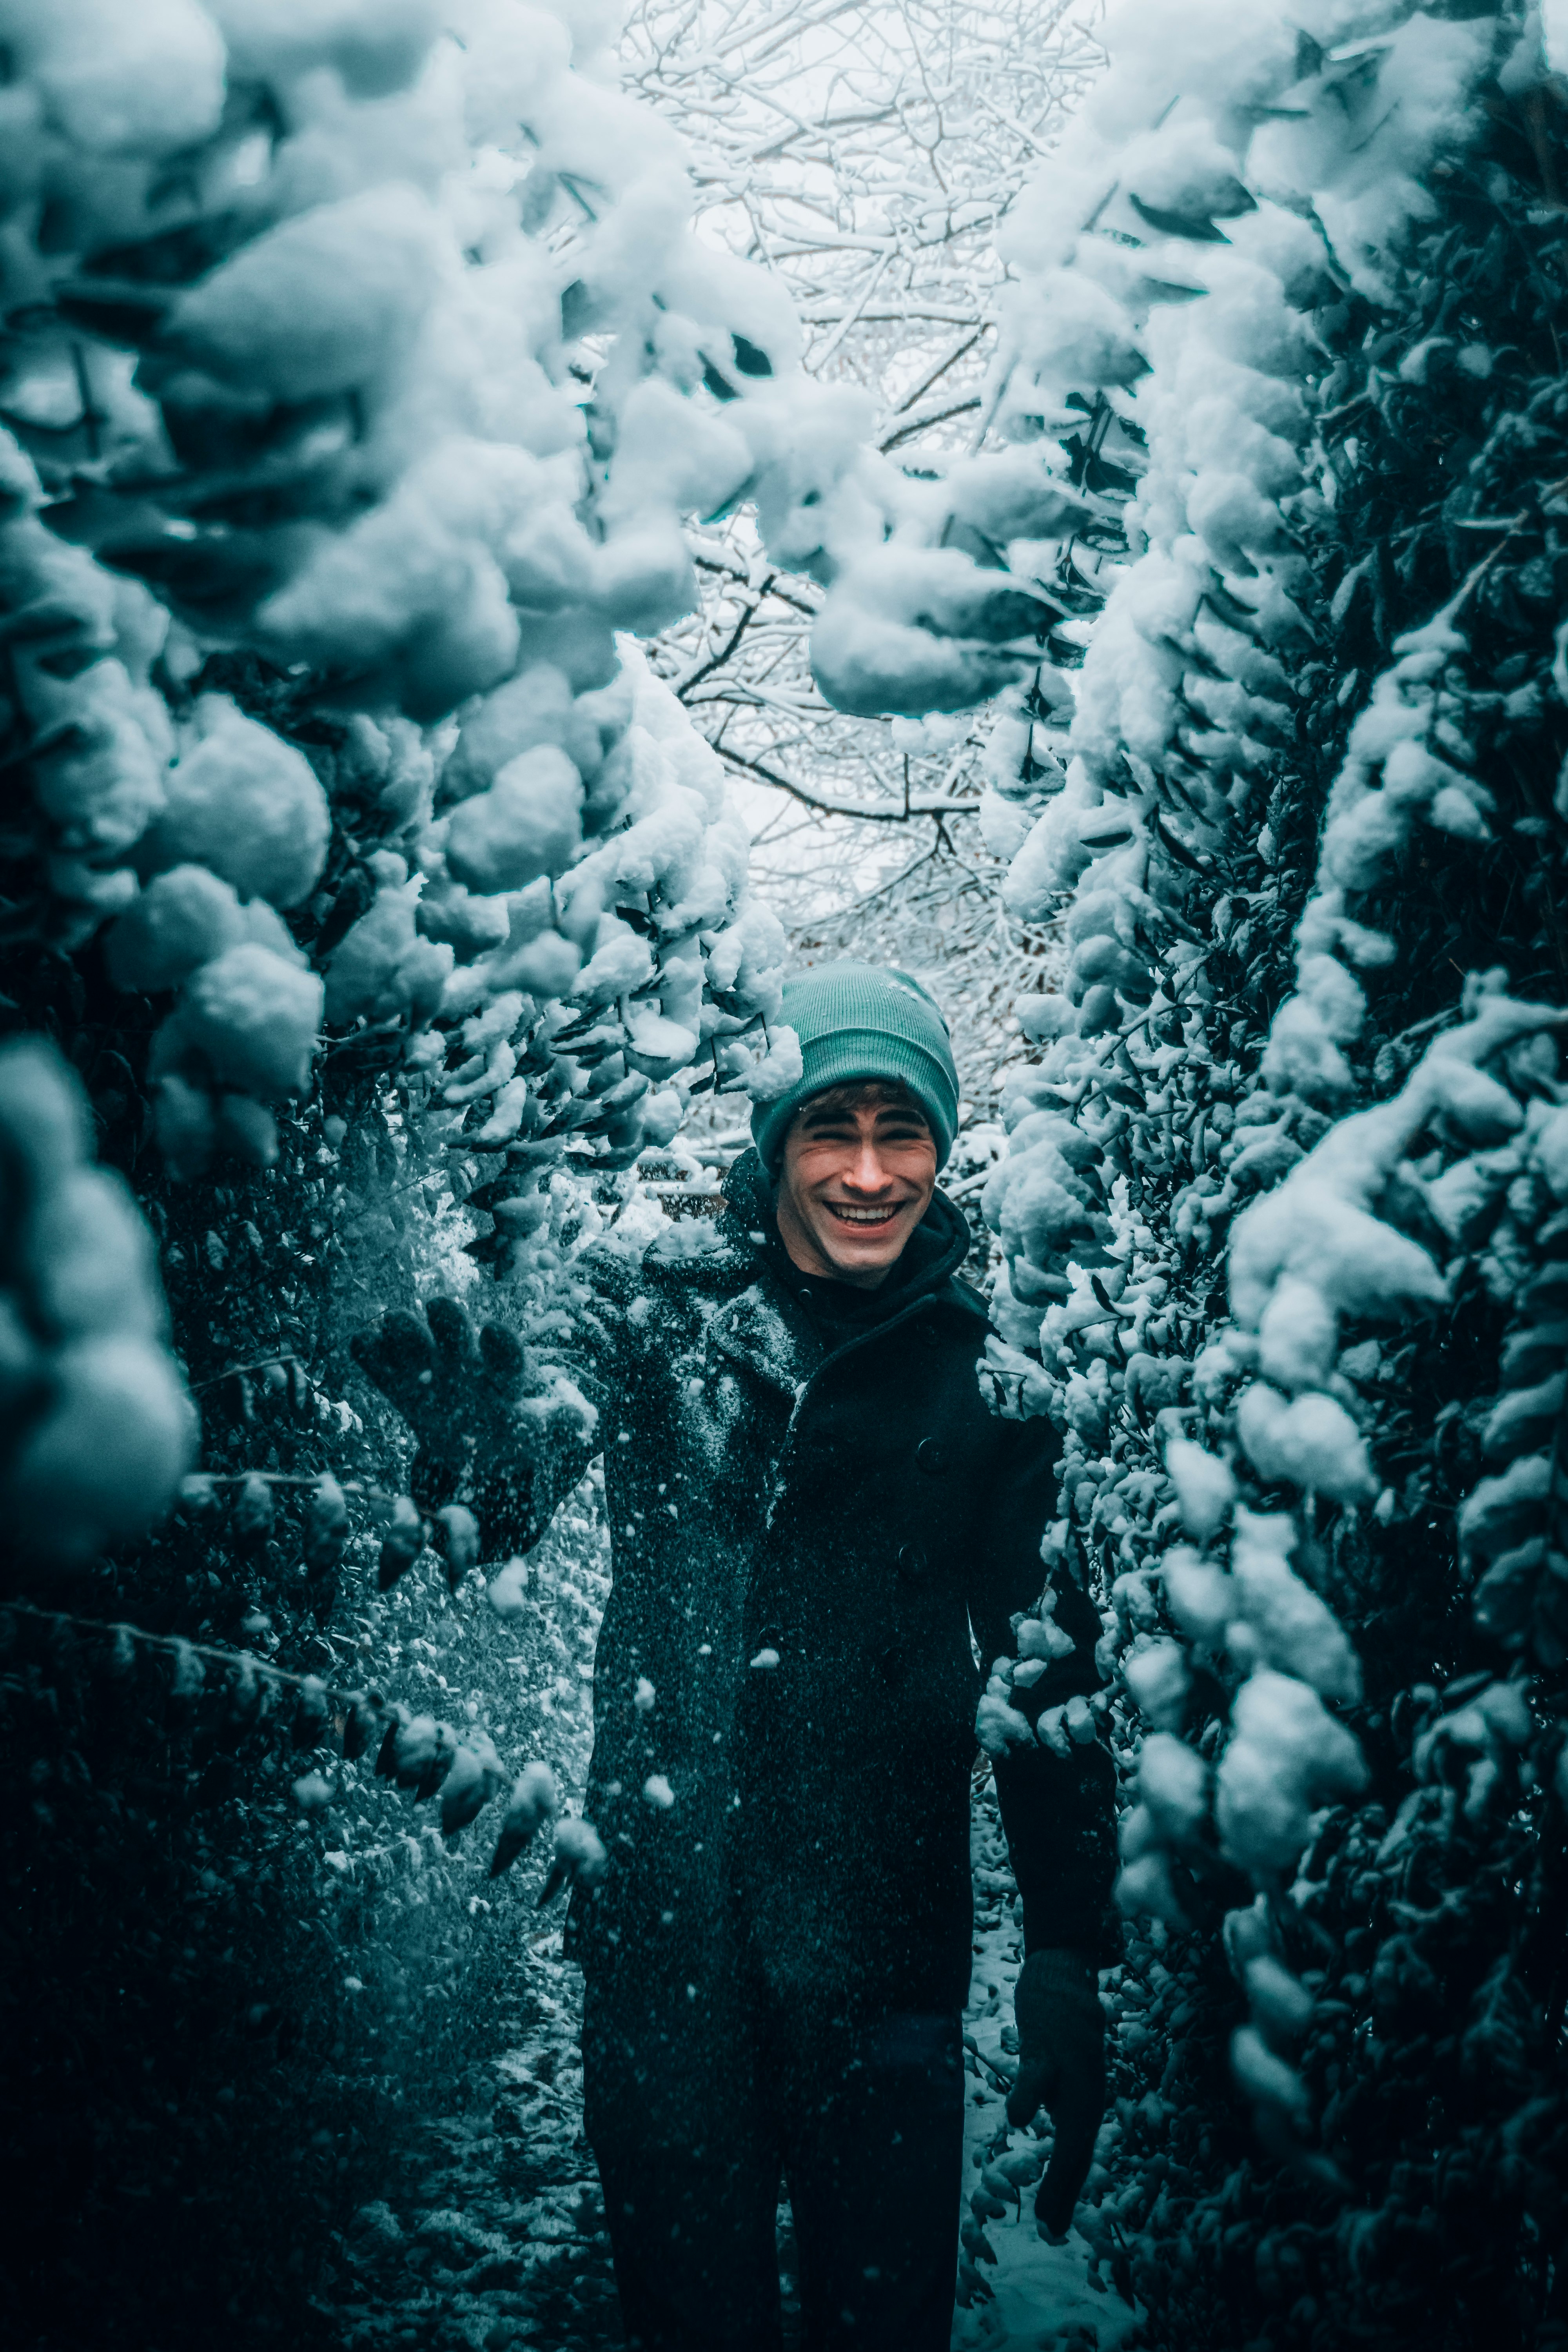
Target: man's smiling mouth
(863,1217)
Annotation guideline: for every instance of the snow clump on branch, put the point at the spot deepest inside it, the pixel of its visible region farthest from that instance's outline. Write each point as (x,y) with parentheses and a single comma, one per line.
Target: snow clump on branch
(98,1429)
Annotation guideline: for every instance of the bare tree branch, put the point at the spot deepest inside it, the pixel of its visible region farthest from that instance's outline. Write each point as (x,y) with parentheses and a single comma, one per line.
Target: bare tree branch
(940,370)
(927,804)
(732,571)
(682,687)
(920,425)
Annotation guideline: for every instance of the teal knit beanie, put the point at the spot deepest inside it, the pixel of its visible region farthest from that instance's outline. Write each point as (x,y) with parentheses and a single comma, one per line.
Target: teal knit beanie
(856,1021)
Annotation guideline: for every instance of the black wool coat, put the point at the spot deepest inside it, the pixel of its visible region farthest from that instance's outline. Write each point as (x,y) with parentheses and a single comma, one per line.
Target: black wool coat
(804,1531)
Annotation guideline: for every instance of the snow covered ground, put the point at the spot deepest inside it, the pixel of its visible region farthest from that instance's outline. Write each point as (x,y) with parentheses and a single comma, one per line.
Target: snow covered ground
(492,2232)
(1042,2297)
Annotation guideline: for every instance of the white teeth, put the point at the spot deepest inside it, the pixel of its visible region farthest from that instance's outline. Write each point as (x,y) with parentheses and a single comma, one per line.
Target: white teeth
(862,1216)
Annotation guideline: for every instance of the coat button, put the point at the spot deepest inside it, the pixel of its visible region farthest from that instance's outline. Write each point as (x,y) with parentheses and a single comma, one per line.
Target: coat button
(930,1455)
(911,1563)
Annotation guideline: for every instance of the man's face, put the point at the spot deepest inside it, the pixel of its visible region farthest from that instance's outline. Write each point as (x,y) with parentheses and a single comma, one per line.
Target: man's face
(859,1169)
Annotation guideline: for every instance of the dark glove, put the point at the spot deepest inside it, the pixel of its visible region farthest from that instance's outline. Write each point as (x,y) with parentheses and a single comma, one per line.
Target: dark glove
(460,1396)
(1061,2067)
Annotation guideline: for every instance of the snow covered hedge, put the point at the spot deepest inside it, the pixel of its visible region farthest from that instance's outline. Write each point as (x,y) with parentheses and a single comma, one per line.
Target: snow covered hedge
(300,304)
(1284,1206)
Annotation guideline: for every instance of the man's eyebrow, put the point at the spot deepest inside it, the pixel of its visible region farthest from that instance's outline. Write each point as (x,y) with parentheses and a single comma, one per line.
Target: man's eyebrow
(822,1122)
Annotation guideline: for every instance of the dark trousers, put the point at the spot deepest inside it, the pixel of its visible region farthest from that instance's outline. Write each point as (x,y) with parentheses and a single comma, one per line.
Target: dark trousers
(697,2108)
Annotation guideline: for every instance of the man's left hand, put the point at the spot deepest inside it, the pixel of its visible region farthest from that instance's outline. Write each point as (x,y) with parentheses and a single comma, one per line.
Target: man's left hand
(1061,2067)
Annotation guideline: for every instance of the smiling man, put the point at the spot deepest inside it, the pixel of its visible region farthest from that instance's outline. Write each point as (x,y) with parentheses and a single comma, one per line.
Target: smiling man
(859,1170)
(817,1526)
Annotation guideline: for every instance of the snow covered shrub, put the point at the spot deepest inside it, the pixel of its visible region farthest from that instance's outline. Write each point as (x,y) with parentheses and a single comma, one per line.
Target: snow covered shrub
(360,396)
(263,1963)
(1279,1210)
(98,1428)
(241,1964)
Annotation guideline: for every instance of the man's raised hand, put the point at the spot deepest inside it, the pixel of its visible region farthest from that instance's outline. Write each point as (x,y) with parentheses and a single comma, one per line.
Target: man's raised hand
(460,1393)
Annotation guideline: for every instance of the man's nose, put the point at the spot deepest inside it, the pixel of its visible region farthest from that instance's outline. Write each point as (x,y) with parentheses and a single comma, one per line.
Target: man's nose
(865,1171)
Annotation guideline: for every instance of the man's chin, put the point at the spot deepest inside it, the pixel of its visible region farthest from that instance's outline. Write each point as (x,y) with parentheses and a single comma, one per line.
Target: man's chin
(864,1252)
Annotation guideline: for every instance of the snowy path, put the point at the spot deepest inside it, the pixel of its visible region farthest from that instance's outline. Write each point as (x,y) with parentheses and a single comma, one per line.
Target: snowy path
(488,2232)
(1041,2295)
(491,2233)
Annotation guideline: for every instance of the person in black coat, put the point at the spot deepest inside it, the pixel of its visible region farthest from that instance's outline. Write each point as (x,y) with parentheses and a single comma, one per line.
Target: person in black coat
(817,1526)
